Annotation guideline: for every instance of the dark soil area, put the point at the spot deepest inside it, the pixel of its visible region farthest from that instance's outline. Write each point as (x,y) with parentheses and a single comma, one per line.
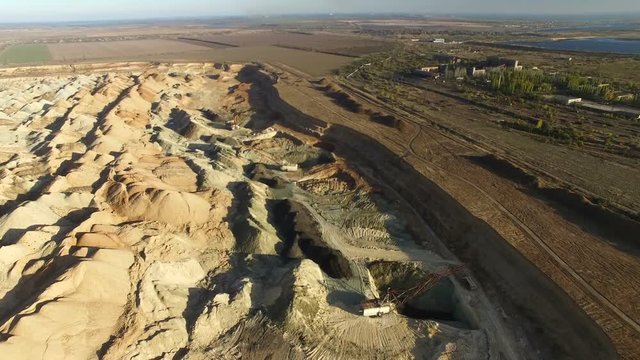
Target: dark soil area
(303,238)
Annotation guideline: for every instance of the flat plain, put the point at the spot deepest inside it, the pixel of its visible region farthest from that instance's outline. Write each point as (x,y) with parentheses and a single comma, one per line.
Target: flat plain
(315,55)
(24,54)
(97,50)
(316,64)
(349,45)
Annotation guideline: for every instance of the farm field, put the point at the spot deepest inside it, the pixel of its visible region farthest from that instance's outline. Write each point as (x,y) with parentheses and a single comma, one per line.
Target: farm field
(310,62)
(24,54)
(339,44)
(130,49)
(315,64)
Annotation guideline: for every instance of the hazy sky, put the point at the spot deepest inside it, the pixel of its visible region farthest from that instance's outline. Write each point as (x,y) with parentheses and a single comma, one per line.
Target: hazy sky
(58,10)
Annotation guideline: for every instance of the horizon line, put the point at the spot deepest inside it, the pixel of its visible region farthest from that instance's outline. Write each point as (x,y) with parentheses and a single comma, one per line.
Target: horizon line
(452,16)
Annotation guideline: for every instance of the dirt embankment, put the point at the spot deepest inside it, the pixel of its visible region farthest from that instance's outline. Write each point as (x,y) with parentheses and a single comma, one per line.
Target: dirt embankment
(622,226)
(528,296)
(207,42)
(304,48)
(344,100)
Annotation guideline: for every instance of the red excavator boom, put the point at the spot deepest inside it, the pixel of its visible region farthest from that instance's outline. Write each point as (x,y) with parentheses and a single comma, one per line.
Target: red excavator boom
(402,296)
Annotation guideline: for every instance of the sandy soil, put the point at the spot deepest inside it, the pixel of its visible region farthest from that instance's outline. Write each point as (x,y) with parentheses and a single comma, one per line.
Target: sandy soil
(136,225)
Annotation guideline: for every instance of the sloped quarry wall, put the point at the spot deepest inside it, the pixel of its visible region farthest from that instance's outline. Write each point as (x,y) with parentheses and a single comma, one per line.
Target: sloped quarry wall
(303,238)
(544,310)
(550,314)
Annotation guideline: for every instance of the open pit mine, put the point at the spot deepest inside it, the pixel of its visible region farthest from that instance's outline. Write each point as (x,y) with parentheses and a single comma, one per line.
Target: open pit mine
(183,212)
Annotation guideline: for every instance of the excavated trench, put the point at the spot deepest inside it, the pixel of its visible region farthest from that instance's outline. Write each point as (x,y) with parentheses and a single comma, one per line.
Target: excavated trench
(244,233)
(266,175)
(438,303)
(545,311)
(303,238)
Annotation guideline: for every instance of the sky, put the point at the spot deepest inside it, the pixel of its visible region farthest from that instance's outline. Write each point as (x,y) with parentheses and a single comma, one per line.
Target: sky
(83,10)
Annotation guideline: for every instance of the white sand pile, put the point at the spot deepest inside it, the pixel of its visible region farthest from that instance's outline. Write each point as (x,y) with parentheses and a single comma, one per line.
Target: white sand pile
(131,197)
(163,297)
(66,256)
(159,190)
(75,314)
(175,172)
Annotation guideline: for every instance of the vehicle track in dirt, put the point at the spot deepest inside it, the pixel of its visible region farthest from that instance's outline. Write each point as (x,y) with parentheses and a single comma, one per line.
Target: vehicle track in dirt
(558,174)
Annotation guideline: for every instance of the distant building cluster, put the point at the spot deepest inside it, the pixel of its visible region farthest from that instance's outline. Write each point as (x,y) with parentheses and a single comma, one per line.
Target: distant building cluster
(494,63)
(434,41)
(449,63)
(447,66)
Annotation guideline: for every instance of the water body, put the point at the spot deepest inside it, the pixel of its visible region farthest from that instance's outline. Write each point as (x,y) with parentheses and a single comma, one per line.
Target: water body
(603,45)
(618,25)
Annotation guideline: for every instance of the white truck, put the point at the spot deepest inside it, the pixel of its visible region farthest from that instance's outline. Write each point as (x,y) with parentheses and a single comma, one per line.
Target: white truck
(371,308)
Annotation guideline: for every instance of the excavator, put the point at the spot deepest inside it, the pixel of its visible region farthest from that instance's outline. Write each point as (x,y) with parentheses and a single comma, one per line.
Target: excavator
(397,297)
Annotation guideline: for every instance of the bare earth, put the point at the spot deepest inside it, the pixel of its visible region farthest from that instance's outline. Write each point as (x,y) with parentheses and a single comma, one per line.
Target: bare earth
(146,212)
(119,49)
(133,227)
